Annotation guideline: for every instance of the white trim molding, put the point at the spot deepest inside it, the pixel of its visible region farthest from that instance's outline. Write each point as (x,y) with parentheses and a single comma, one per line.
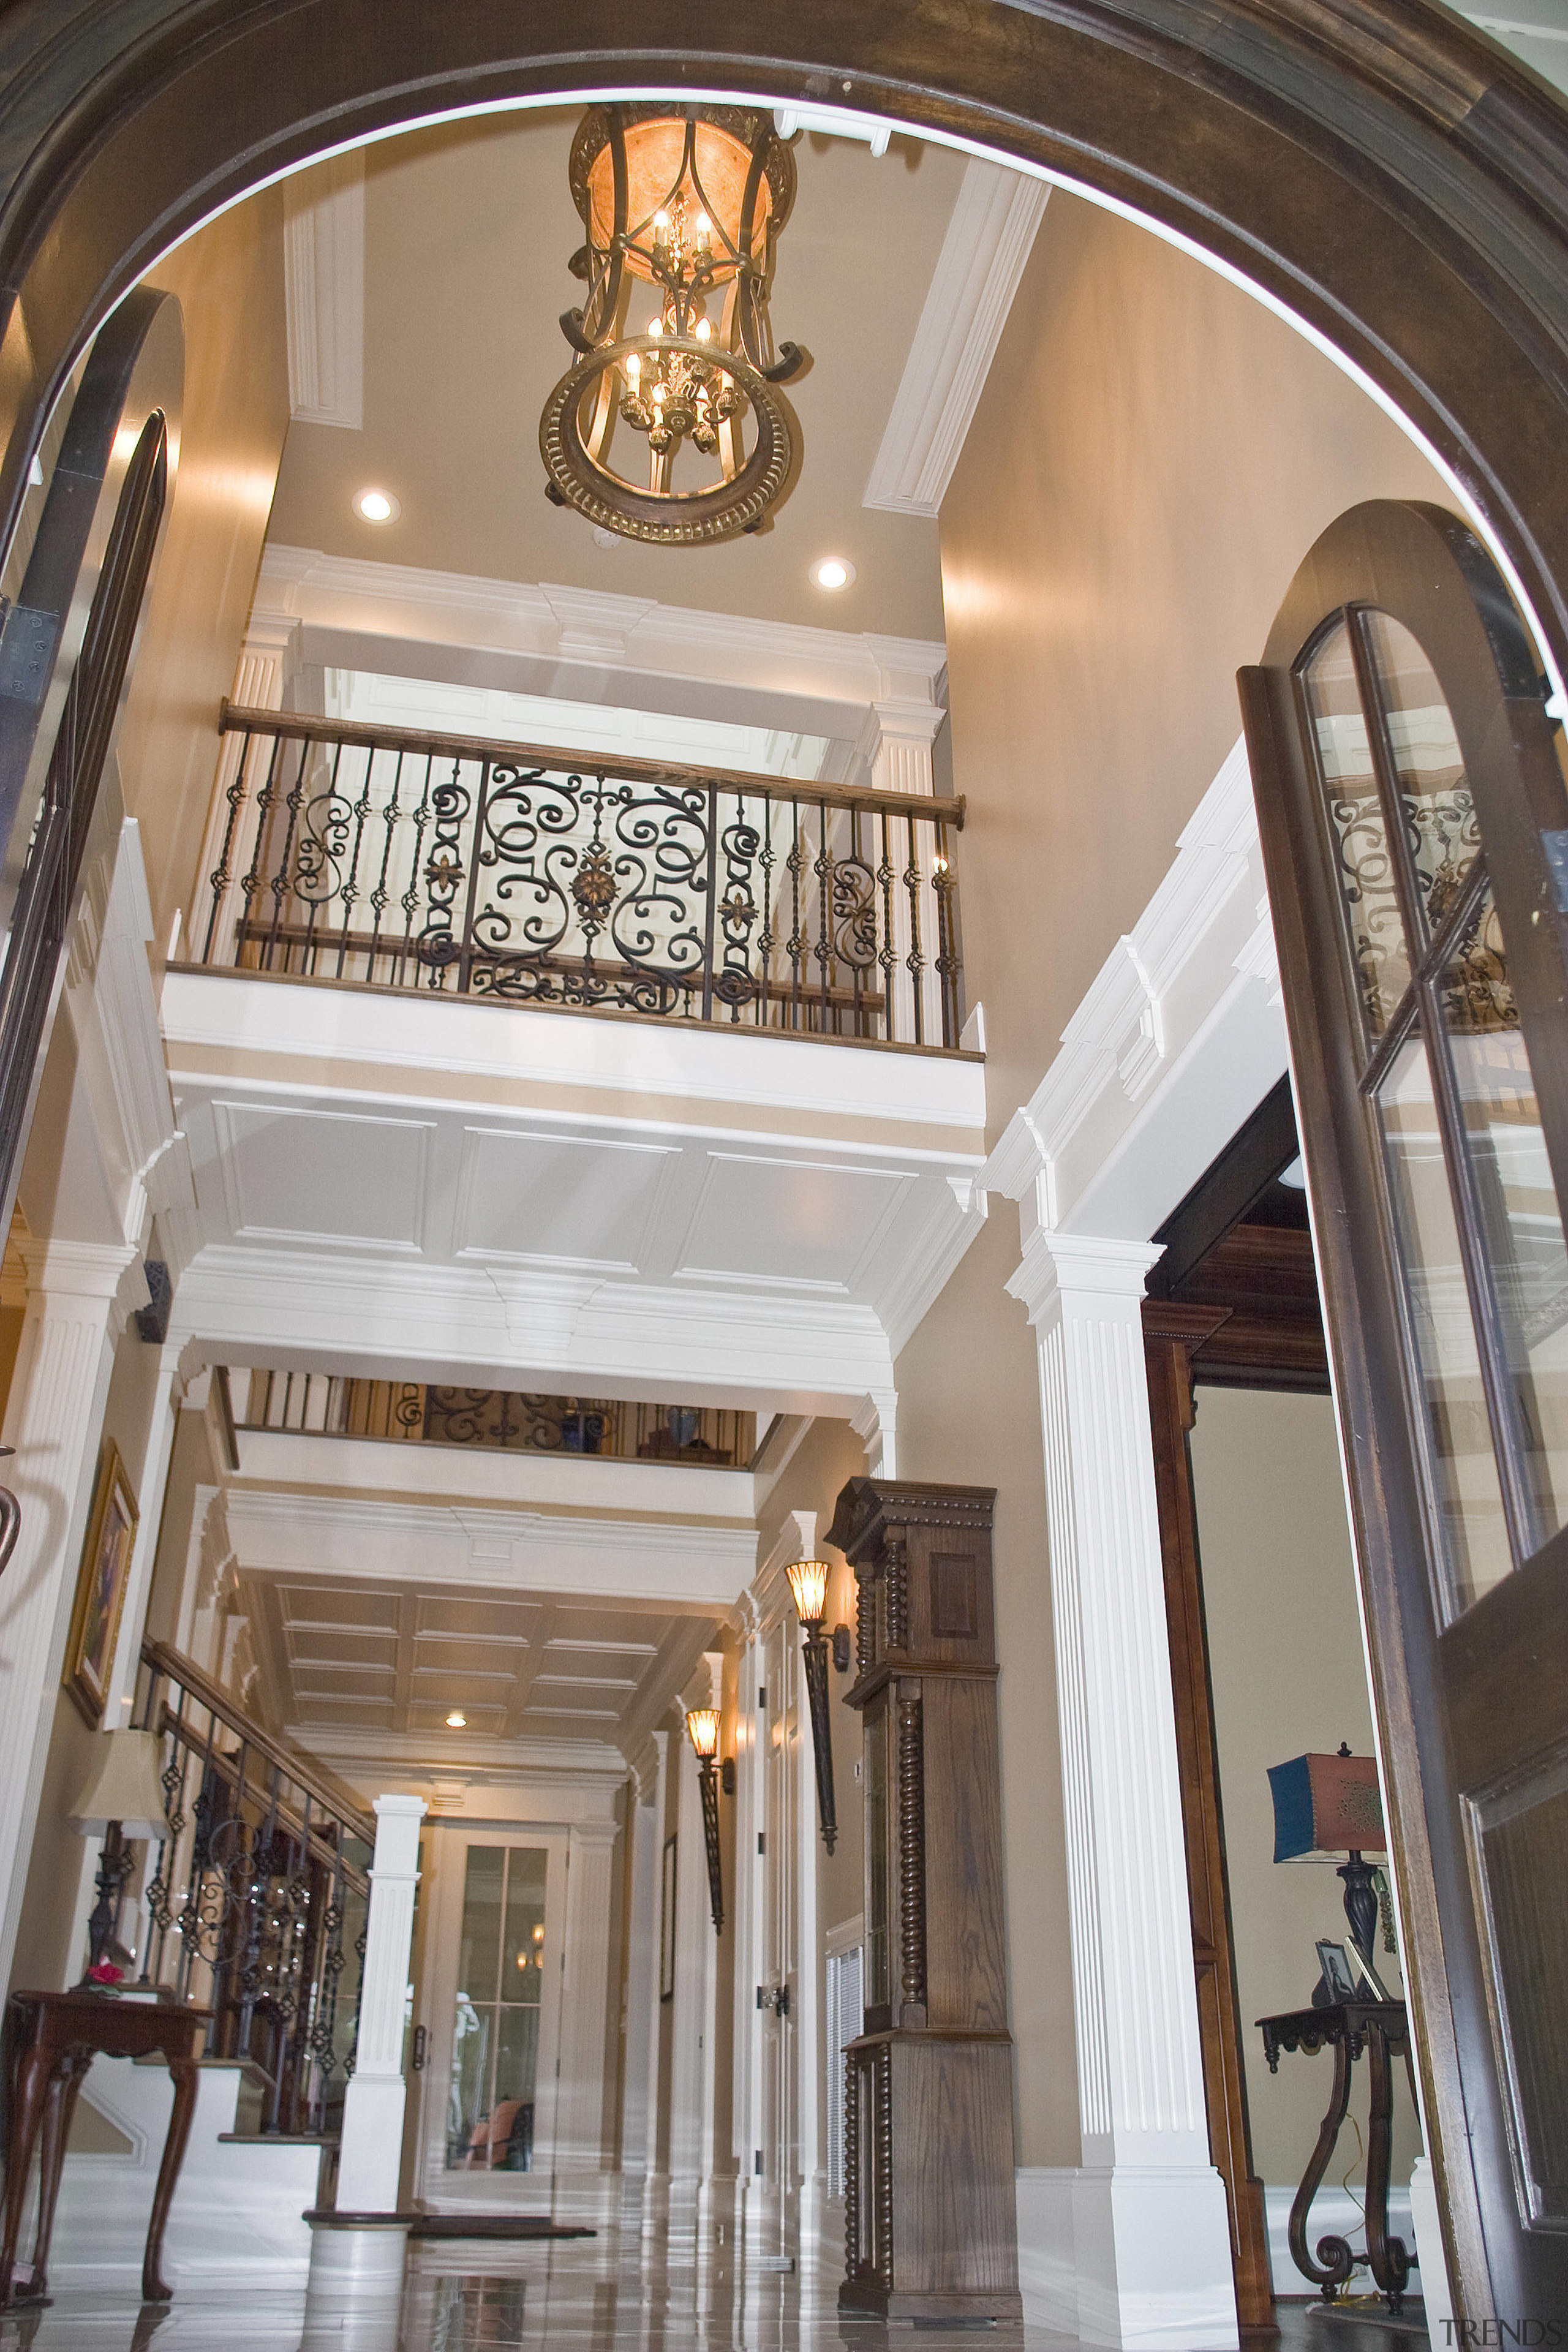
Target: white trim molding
(323,290)
(988,242)
(1177,1040)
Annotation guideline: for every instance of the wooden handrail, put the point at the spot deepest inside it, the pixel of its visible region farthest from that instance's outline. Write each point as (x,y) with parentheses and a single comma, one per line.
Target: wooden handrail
(335,1795)
(235,718)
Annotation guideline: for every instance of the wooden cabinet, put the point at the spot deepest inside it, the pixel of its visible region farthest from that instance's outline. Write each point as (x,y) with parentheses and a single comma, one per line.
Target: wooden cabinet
(930,2220)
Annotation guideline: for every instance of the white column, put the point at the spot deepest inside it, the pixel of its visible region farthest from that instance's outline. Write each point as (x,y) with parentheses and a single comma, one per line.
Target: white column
(654,2003)
(580,2101)
(896,743)
(149,1506)
(78,1296)
(750,1821)
(372,2150)
(1152,2242)
(805,1958)
(642,1962)
(258,684)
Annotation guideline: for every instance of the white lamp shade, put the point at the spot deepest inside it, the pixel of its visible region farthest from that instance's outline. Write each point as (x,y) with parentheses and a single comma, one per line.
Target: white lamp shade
(122,1785)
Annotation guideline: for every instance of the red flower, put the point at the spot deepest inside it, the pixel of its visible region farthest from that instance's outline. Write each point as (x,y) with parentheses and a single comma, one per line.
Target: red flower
(105,1973)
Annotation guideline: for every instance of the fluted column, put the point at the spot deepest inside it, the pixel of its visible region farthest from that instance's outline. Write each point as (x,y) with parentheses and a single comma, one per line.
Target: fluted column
(372,2151)
(78,1295)
(579,2159)
(1152,2242)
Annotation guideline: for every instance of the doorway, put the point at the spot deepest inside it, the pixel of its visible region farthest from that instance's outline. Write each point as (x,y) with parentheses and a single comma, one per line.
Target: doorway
(491,2014)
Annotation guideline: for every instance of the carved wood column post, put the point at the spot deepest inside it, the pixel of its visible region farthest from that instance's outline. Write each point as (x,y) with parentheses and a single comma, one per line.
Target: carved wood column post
(1169,1334)
(931,2221)
(1151,2225)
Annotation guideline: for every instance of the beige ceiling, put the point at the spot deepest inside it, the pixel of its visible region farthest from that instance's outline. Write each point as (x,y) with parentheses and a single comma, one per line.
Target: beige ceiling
(396,1659)
(468,228)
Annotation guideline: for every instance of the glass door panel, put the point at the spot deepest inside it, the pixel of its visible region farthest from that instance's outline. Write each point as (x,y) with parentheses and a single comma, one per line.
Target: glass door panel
(1461,1465)
(1363,857)
(495,2023)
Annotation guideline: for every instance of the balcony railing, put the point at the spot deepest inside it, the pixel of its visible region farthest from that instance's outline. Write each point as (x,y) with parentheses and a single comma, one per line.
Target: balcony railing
(254,1904)
(417,1413)
(543,878)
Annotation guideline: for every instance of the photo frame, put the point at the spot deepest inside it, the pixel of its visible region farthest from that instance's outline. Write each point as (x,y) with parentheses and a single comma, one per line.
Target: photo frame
(102,1579)
(1338,1973)
(1363,1967)
(667,1925)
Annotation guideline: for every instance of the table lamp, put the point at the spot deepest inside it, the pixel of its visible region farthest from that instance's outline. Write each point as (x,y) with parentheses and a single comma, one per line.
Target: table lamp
(121,1798)
(1330,1806)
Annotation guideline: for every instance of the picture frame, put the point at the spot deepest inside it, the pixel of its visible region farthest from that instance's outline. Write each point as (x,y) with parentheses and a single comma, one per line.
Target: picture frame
(102,1579)
(667,1925)
(1363,1967)
(1338,1973)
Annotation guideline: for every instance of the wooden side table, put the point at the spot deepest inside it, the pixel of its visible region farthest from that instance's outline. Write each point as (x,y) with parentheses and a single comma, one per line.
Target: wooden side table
(54,2037)
(1349,2027)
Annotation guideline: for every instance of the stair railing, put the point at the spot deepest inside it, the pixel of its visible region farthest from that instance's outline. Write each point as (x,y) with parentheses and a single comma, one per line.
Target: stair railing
(254,1905)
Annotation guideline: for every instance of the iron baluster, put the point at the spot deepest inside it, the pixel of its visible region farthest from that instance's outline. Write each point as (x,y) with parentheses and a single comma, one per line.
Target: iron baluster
(293,801)
(410,899)
(947,959)
(711,893)
(251,886)
(915,960)
(362,809)
(824,870)
(380,896)
(797,864)
(766,936)
(887,954)
(221,874)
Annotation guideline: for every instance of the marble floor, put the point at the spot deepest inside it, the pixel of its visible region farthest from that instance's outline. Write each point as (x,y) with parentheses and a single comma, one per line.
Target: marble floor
(602,2296)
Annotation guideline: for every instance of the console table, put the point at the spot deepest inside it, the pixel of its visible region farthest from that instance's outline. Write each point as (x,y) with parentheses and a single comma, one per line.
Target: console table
(1349,2027)
(54,2039)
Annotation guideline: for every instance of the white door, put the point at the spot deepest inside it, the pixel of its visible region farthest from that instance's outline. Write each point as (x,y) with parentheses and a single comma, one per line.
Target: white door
(492,2017)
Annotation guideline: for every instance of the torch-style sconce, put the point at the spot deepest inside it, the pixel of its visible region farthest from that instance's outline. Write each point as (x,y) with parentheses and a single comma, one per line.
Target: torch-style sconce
(841,1649)
(702,1730)
(808,1583)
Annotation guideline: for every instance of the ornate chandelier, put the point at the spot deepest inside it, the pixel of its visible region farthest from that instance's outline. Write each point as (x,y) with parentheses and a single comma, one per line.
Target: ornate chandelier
(670,427)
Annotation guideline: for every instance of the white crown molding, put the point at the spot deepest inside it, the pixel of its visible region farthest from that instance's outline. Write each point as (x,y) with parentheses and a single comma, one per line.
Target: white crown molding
(1178,1038)
(324,289)
(591,646)
(987,244)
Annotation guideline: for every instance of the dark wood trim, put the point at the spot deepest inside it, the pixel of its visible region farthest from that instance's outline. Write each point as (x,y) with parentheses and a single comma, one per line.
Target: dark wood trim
(1271,1336)
(1396,179)
(1229,1186)
(1172,1333)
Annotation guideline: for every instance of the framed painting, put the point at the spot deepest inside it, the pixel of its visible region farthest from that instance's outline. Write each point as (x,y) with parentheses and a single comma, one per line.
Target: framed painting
(666,1925)
(100,1586)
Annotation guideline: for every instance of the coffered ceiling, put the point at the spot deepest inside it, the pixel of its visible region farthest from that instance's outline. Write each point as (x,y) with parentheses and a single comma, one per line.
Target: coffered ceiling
(468,230)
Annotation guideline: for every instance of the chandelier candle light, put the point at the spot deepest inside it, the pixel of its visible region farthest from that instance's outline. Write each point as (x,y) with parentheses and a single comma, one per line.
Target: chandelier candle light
(808,1583)
(702,1730)
(682,207)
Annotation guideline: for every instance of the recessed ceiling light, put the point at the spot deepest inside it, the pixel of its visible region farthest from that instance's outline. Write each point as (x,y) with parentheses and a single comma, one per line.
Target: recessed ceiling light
(377,506)
(457,1719)
(832,571)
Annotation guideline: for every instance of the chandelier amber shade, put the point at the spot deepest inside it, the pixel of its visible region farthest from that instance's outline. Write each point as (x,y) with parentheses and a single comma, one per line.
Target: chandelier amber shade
(702,1730)
(808,1583)
(668,426)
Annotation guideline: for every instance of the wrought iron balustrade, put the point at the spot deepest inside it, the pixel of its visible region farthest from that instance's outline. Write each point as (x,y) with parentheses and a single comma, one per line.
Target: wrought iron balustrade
(413,1411)
(543,878)
(254,1905)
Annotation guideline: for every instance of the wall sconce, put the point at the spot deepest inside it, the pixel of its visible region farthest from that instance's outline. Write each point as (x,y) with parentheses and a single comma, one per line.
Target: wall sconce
(808,1583)
(702,1730)
(841,1649)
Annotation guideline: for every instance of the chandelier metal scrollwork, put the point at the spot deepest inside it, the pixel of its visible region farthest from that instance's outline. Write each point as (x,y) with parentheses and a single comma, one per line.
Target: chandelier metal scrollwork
(670,427)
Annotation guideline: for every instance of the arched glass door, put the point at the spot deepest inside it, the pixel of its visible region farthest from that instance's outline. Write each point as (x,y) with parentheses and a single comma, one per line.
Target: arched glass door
(1415,828)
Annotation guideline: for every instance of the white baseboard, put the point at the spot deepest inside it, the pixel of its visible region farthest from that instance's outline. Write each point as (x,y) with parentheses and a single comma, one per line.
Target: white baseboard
(1134,2257)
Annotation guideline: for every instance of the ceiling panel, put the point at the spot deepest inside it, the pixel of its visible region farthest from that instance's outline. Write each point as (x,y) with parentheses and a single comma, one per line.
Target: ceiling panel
(788,1221)
(559,1199)
(333,1176)
(331,1604)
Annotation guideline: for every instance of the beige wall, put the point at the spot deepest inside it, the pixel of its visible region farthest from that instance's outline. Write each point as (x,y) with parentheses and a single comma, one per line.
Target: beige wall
(1153,455)
(1285,1657)
(44,1957)
(229,279)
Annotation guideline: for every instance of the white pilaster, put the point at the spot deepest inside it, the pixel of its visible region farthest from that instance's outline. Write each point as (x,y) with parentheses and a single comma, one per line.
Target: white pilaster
(580,2102)
(78,1296)
(372,2149)
(655,2002)
(150,1507)
(641,1997)
(1151,2246)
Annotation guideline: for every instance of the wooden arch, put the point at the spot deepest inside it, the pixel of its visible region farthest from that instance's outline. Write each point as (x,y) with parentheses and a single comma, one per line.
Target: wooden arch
(1392,177)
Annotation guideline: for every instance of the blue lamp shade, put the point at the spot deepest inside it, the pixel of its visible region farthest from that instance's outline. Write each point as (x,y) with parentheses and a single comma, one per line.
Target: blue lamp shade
(1326,1807)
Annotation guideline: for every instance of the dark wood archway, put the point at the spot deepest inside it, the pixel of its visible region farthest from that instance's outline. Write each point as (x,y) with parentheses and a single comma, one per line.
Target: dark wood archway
(1395,178)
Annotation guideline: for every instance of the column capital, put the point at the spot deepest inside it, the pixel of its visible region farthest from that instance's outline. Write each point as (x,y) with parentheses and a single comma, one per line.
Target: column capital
(1057,1268)
(875,1422)
(79,1269)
